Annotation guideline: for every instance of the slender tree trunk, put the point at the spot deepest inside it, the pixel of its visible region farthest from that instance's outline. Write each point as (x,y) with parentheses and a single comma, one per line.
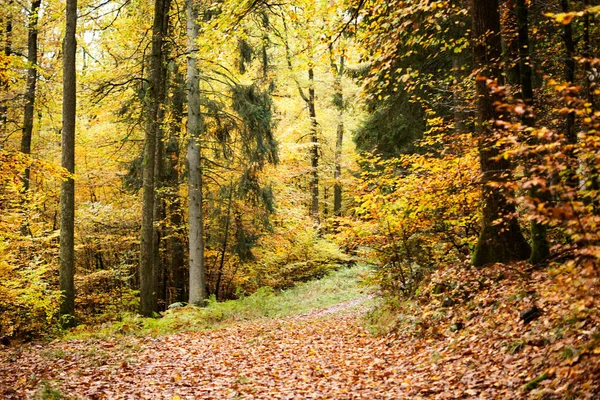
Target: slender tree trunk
(175,245)
(314,138)
(540,249)
(158,212)
(148,268)
(499,242)
(160,169)
(32,49)
(265,46)
(67,188)
(225,240)
(195,127)
(314,149)
(339,141)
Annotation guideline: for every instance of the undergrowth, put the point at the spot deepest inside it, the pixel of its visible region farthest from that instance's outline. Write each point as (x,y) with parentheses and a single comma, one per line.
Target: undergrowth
(338,286)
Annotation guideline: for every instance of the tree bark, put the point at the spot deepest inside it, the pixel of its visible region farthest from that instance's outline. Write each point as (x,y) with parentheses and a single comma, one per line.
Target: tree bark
(160,167)
(339,141)
(314,148)
(265,45)
(498,242)
(67,188)
(32,50)
(148,268)
(175,246)
(195,127)
(159,209)
(225,241)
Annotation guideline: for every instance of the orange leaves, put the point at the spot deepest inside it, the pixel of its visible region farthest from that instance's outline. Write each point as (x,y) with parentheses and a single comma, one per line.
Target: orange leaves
(567,18)
(563,18)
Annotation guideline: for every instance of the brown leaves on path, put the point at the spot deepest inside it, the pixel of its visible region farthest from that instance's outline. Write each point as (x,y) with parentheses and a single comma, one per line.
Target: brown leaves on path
(326,354)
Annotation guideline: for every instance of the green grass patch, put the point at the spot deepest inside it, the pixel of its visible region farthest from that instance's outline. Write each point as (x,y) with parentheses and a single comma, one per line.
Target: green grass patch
(49,393)
(338,286)
(535,382)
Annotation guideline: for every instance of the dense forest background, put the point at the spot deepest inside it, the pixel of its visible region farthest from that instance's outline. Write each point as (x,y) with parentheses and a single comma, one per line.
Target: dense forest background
(162,152)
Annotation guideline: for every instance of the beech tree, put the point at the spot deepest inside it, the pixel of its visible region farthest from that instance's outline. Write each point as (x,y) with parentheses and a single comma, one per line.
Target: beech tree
(338,100)
(197,289)
(67,189)
(32,50)
(154,98)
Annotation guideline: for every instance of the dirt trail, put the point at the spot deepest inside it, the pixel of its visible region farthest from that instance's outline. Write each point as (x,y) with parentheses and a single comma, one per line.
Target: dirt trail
(322,354)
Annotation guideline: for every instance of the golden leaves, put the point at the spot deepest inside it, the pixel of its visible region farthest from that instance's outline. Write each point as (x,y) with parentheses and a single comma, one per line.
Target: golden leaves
(567,18)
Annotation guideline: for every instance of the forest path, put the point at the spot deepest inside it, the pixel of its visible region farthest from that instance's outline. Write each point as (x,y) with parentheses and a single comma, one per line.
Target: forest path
(325,353)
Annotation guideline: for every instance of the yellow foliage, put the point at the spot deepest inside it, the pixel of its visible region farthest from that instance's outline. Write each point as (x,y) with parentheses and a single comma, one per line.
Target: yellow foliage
(419,210)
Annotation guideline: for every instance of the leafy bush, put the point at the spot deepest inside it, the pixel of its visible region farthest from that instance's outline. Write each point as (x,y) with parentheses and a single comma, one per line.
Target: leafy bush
(295,253)
(418,211)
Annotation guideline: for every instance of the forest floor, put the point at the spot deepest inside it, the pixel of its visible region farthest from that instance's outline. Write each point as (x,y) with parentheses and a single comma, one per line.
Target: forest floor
(327,353)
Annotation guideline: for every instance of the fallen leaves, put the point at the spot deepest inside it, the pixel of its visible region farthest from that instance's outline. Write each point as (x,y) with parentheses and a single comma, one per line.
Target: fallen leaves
(328,354)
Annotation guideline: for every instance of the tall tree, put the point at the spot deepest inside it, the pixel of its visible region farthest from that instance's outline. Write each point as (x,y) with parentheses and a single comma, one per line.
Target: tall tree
(312,114)
(148,268)
(195,127)
(338,100)
(498,242)
(67,188)
(176,270)
(32,53)
(314,141)
(540,249)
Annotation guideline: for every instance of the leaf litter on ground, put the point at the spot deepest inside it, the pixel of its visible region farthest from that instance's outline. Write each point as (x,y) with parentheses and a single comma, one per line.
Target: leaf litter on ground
(331,352)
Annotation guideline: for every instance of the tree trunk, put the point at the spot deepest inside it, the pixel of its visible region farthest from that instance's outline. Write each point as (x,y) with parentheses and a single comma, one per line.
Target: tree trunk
(195,127)
(540,249)
(314,138)
(225,240)
(160,171)
(67,188)
(32,49)
(265,45)
(314,148)
(158,212)
(148,269)
(175,246)
(498,242)
(338,99)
